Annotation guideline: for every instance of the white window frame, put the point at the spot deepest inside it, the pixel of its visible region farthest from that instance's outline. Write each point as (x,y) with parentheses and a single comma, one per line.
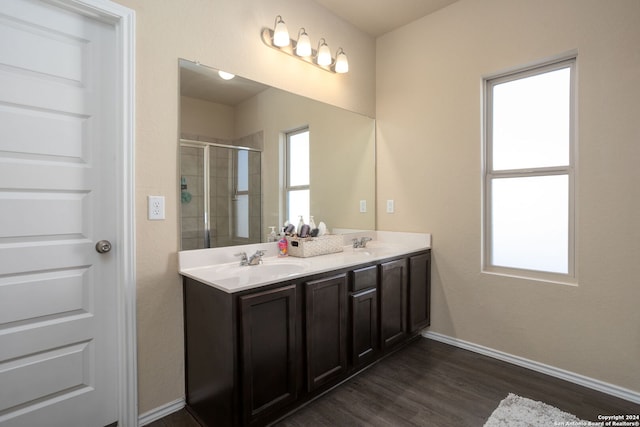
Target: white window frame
(287,161)
(489,174)
(239,194)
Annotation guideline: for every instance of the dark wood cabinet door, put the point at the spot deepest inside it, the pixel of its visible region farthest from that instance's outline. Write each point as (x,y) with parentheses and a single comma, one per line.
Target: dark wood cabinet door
(326,331)
(268,351)
(419,291)
(364,326)
(393,302)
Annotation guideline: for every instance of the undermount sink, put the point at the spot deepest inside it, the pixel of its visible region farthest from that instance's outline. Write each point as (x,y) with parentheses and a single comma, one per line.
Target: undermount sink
(375,249)
(276,268)
(269,268)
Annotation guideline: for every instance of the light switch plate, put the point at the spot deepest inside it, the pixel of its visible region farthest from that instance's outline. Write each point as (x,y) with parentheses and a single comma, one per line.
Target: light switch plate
(156,207)
(390,206)
(363,206)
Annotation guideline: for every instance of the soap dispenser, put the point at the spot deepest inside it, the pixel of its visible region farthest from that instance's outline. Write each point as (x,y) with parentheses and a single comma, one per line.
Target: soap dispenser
(272,237)
(283,246)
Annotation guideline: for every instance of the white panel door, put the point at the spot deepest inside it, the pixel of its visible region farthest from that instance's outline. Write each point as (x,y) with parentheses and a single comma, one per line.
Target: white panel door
(58,348)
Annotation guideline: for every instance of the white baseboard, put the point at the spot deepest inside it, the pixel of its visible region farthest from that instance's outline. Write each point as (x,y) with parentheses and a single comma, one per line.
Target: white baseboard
(611,389)
(160,411)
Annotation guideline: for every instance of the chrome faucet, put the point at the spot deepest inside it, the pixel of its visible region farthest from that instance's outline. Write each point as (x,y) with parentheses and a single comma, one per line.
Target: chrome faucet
(254,259)
(243,258)
(362,242)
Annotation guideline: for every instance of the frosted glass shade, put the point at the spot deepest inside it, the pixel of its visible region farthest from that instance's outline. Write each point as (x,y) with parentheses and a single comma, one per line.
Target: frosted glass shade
(280,33)
(303,46)
(324,55)
(342,64)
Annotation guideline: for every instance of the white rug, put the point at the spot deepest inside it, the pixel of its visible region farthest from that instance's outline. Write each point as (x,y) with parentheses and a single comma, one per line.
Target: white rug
(516,411)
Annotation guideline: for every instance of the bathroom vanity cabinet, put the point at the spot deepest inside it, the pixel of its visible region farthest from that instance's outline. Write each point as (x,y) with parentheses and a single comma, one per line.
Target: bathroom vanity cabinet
(253,356)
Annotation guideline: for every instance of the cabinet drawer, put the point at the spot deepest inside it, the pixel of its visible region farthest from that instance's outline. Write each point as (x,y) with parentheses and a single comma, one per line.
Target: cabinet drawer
(364,278)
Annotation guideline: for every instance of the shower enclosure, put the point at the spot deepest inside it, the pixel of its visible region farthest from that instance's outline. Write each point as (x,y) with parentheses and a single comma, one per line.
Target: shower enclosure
(220,189)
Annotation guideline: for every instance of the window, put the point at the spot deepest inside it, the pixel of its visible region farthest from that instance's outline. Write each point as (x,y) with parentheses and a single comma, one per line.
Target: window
(297,175)
(241,193)
(529,172)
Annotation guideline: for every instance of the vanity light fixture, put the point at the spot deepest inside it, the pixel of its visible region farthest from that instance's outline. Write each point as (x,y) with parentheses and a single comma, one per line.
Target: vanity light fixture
(278,39)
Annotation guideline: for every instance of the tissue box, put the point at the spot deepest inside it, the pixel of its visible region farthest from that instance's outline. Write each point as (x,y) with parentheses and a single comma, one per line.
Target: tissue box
(314,246)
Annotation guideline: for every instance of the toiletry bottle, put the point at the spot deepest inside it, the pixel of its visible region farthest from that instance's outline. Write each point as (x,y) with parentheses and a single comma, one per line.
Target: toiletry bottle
(304,231)
(272,237)
(300,224)
(289,230)
(312,223)
(283,246)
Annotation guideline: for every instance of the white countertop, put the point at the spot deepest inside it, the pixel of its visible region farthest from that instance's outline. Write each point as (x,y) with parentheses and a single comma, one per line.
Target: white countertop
(220,267)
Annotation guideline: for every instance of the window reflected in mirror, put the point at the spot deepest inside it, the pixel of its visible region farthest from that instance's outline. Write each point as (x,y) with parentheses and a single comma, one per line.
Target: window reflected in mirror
(298,190)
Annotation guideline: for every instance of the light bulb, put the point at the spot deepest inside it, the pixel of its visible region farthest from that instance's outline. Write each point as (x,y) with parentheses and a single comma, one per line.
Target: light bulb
(225,76)
(324,54)
(303,45)
(342,64)
(280,33)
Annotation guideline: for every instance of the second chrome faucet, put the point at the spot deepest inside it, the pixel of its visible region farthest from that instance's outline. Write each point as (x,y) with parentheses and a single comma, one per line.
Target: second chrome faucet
(362,242)
(254,259)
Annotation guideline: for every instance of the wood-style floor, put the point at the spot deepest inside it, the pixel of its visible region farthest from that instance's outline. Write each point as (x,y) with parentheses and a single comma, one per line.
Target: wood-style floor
(429,383)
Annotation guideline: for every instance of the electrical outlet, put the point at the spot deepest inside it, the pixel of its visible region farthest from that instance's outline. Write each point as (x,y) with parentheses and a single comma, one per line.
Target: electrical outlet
(363,206)
(156,207)
(390,206)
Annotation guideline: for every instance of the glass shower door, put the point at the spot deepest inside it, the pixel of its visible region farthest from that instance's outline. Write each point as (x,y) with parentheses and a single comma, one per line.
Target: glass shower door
(221,201)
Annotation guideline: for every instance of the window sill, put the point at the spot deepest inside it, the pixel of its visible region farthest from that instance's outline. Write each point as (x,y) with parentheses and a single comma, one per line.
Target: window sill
(536,276)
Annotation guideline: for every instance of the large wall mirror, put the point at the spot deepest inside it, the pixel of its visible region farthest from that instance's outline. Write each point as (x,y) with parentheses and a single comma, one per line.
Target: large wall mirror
(233,160)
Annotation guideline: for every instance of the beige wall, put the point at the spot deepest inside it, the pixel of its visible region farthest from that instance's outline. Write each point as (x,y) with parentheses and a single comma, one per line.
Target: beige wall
(223,34)
(428,111)
(203,118)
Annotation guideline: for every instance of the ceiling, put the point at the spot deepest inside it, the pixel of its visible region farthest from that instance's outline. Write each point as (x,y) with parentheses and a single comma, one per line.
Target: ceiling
(377,17)
(203,82)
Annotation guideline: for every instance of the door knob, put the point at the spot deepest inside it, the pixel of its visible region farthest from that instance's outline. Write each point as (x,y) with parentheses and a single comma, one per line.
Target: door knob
(103,246)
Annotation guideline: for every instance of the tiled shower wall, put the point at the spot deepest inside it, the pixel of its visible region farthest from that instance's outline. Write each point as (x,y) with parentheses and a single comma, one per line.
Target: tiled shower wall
(192,197)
